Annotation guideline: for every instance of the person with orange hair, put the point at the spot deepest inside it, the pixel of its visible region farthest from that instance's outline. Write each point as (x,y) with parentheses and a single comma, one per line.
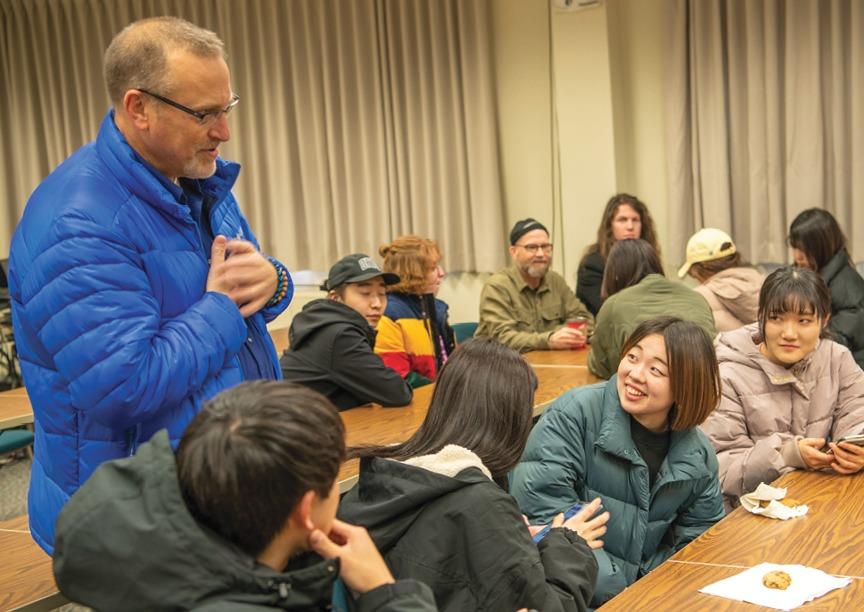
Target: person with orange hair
(414,336)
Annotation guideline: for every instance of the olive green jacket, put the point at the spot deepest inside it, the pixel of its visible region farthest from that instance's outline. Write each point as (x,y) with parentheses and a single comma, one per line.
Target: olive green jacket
(523,318)
(653,296)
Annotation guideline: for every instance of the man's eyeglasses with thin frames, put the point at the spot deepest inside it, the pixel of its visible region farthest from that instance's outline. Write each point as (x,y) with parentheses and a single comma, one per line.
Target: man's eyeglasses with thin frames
(534,248)
(203,117)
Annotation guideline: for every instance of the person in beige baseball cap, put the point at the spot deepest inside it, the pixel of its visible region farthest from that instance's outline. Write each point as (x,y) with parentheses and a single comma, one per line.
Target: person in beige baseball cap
(730,285)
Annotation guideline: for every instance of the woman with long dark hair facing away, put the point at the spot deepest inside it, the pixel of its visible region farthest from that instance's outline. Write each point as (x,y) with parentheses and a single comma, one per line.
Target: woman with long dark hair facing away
(633,442)
(818,243)
(635,290)
(437,505)
(624,217)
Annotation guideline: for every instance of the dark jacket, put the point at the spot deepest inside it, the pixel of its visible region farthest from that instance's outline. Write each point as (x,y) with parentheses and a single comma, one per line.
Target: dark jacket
(847,303)
(126,541)
(331,351)
(465,537)
(589,280)
(582,449)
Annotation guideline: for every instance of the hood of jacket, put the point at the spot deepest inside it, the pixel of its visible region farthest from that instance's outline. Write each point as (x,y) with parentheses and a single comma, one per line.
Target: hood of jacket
(128,527)
(737,290)
(390,495)
(321,313)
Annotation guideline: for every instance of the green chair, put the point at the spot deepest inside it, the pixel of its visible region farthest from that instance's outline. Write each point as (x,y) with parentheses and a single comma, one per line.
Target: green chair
(464,331)
(14,439)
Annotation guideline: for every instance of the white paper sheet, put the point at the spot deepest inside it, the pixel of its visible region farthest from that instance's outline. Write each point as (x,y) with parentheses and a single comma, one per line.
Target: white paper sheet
(807,584)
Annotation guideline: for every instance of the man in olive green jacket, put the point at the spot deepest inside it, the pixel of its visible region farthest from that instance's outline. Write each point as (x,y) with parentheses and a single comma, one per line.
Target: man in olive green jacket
(527,306)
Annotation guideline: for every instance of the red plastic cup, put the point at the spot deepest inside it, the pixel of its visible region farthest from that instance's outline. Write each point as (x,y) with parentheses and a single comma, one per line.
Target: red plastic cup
(581,324)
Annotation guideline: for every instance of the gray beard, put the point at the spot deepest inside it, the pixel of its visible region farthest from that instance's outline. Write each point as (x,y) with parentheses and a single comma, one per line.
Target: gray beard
(535,272)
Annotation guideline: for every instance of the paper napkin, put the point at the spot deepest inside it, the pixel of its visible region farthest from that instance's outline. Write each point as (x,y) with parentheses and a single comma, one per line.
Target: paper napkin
(775,509)
(807,584)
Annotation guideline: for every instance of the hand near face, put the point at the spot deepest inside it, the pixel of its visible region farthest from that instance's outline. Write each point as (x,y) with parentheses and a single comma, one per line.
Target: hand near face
(567,338)
(591,529)
(848,458)
(240,271)
(811,453)
(363,568)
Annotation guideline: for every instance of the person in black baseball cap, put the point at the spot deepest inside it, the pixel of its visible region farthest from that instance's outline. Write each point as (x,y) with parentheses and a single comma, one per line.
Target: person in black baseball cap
(523,227)
(332,339)
(527,306)
(356,268)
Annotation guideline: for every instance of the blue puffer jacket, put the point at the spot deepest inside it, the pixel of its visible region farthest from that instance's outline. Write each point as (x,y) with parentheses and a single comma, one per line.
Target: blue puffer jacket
(116,336)
(582,449)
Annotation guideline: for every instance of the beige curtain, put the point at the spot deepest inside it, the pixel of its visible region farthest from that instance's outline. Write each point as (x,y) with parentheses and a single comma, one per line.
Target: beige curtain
(765,119)
(359,120)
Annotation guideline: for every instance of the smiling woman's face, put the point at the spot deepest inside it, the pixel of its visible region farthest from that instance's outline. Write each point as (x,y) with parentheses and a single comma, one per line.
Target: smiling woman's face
(790,337)
(643,383)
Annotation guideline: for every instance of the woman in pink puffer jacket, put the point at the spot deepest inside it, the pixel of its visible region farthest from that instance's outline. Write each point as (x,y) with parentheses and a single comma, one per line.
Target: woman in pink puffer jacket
(788,390)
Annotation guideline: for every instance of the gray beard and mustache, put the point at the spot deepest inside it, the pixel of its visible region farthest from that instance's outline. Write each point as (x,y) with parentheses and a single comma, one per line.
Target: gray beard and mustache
(536,270)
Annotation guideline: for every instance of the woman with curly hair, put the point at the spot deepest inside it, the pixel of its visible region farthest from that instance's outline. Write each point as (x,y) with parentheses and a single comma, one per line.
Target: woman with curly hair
(414,336)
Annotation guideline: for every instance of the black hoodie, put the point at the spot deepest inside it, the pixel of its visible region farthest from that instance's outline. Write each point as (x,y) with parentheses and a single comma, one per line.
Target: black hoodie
(331,351)
(465,537)
(126,541)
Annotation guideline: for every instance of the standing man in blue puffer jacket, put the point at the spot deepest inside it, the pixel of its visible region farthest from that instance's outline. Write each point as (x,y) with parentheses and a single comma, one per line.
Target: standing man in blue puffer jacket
(138,289)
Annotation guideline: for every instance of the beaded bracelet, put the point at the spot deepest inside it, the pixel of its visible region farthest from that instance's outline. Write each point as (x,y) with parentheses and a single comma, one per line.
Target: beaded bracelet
(282,284)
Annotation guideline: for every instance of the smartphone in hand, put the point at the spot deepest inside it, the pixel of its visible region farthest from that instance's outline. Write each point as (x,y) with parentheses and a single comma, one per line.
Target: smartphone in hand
(569,513)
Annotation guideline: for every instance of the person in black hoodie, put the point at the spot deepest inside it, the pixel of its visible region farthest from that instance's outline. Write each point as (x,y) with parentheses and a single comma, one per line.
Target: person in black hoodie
(332,339)
(437,505)
(231,522)
(818,243)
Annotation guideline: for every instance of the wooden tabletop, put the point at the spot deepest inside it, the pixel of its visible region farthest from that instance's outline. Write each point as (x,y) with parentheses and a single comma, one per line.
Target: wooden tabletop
(280,339)
(15,408)
(829,537)
(25,573)
(558,359)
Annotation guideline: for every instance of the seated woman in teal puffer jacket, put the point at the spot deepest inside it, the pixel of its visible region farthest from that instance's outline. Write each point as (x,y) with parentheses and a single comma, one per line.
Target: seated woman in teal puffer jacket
(633,441)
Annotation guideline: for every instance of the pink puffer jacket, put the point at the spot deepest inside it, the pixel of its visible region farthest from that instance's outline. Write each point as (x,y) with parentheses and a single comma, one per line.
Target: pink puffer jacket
(765,408)
(733,295)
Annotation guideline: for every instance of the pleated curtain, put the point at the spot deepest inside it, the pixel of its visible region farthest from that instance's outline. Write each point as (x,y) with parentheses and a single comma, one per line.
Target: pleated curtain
(765,119)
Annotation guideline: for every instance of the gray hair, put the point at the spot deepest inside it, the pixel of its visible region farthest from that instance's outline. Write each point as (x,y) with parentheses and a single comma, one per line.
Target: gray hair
(138,56)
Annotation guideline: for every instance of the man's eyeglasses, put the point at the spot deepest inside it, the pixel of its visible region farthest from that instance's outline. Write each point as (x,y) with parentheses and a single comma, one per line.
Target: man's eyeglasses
(203,117)
(534,248)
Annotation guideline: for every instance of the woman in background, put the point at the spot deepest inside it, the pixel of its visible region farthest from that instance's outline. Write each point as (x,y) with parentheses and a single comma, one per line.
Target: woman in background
(414,336)
(633,442)
(625,217)
(437,505)
(788,389)
(730,286)
(635,290)
(818,243)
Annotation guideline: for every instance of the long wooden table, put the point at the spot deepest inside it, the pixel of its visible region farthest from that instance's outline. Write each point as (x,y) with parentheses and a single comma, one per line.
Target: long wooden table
(15,409)
(830,537)
(26,578)
(558,359)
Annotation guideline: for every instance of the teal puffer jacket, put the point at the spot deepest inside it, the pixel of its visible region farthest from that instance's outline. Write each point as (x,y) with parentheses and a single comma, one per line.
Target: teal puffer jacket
(582,449)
